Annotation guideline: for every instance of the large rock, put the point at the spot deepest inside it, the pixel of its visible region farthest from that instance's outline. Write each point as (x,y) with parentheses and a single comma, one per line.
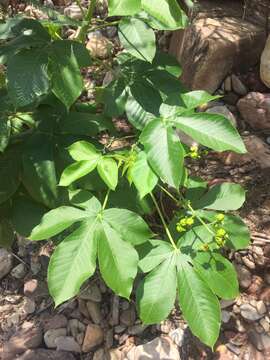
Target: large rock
(265,64)
(93,337)
(255,110)
(159,349)
(218,42)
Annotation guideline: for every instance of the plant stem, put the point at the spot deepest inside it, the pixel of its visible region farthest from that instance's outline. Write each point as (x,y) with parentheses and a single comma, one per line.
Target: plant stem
(106,199)
(163,222)
(78,2)
(169,194)
(87,20)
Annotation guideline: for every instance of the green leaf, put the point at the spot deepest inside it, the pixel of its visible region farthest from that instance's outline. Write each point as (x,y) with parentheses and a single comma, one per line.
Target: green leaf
(6,233)
(137,38)
(124,7)
(159,251)
(156,293)
(143,176)
(80,52)
(129,225)
(108,171)
(83,123)
(238,232)
(168,13)
(225,196)
(10,173)
(114,97)
(27,77)
(67,83)
(83,150)
(164,82)
(26,215)
(57,220)
(76,171)
(211,130)
(164,152)
(167,62)
(4,133)
(146,95)
(218,273)
(39,173)
(199,305)
(193,99)
(117,260)
(196,187)
(136,115)
(73,262)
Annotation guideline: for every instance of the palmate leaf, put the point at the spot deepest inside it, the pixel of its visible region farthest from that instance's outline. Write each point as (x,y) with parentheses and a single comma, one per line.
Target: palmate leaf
(165,153)
(137,38)
(100,233)
(171,269)
(108,171)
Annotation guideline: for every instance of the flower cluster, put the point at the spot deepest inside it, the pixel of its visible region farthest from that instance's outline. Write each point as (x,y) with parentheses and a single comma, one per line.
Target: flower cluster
(220,233)
(184,223)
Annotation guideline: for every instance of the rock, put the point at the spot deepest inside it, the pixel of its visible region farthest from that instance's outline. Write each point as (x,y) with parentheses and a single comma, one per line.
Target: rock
(136,329)
(228,84)
(224,304)
(255,110)
(6,261)
(128,317)
(67,343)
(75,327)
(74,12)
(256,285)
(28,307)
(238,87)
(225,316)
(250,313)
(244,276)
(248,262)
(51,335)
(91,293)
(260,341)
(108,339)
(265,64)
(99,46)
(265,325)
(29,336)
(94,311)
(115,354)
(219,43)
(19,271)
(43,354)
(35,289)
(111,31)
(100,354)
(55,322)
(161,348)
(177,336)
(261,308)
(223,110)
(93,337)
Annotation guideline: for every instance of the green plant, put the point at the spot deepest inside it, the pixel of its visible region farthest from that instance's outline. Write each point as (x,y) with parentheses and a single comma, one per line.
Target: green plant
(56,176)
